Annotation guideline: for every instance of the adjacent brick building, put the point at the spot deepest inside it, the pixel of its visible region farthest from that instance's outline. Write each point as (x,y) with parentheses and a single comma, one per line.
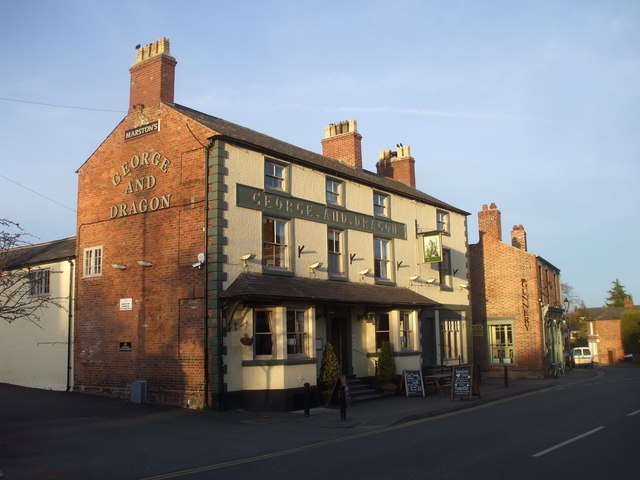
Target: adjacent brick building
(215,262)
(516,302)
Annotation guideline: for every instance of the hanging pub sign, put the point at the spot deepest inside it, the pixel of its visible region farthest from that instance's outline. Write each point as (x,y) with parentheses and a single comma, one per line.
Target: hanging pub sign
(432,247)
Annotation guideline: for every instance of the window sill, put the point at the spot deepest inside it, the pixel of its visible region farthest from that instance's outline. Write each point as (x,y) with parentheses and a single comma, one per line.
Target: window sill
(277,362)
(380,281)
(338,278)
(276,271)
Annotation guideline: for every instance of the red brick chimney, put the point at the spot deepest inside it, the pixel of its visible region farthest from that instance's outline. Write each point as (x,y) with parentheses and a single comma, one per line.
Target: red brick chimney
(519,237)
(398,165)
(628,302)
(343,142)
(490,223)
(153,75)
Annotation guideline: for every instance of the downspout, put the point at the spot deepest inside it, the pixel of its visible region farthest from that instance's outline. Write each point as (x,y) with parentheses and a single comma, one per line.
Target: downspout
(70,324)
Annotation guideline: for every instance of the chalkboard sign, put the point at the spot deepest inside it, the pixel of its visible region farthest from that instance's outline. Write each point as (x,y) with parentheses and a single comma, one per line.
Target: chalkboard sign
(413,385)
(462,381)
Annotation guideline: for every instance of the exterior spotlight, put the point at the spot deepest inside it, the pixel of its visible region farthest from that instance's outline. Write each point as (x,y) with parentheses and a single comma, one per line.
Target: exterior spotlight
(431,280)
(144,263)
(246,257)
(119,266)
(315,266)
(464,285)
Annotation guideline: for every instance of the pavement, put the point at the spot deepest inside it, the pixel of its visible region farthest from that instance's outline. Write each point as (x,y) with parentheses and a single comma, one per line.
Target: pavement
(20,405)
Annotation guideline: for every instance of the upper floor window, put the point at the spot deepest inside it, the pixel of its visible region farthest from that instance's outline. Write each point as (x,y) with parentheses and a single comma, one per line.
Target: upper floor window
(39,282)
(442,221)
(381,258)
(92,261)
(444,268)
(275,175)
(274,242)
(334,248)
(296,335)
(380,204)
(334,192)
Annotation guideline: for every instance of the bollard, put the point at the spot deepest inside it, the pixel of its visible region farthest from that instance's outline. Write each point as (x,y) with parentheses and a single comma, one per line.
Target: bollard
(306,399)
(343,404)
(506,376)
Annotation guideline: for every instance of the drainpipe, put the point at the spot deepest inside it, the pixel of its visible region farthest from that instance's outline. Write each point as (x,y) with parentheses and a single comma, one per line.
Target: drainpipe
(70,324)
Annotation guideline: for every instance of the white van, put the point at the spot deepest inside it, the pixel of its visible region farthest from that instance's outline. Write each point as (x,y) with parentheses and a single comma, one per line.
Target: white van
(582,357)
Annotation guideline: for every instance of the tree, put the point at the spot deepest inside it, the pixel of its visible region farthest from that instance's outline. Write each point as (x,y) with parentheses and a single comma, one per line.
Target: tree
(630,330)
(617,294)
(329,368)
(386,373)
(569,294)
(16,299)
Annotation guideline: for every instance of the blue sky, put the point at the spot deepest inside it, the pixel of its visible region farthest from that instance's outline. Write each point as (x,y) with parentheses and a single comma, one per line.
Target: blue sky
(533,105)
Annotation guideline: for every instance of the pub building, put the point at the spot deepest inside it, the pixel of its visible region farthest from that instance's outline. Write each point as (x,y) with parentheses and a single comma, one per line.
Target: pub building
(216,263)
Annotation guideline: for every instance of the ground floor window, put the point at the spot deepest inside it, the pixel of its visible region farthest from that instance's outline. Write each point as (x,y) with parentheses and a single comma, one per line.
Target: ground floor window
(501,345)
(382,329)
(264,334)
(296,334)
(405,331)
(451,332)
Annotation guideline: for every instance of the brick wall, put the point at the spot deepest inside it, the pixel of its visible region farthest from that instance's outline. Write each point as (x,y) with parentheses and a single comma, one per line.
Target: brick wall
(166,323)
(610,345)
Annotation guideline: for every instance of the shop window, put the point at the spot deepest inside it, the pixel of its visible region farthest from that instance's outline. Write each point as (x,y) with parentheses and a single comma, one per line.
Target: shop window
(451,340)
(264,338)
(381,259)
(442,221)
(334,191)
(296,333)
(93,261)
(444,268)
(334,247)
(275,175)
(406,342)
(380,204)
(501,346)
(382,329)
(39,280)
(274,243)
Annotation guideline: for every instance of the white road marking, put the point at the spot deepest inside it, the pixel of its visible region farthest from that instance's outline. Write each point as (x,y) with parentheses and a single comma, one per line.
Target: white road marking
(567,442)
(632,413)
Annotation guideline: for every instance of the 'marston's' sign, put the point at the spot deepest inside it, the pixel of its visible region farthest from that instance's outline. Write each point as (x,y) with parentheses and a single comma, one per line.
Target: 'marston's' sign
(142,130)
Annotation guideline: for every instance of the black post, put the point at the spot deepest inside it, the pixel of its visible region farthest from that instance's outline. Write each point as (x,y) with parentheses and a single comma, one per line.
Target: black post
(343,404)
(506,376)
(306,399)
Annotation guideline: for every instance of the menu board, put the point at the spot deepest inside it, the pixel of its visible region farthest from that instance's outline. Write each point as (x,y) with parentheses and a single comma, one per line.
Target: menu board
(413,385)
(462,381)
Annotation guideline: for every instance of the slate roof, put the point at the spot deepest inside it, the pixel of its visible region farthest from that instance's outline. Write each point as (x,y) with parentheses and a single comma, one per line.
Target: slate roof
(269,145)
(612,313)
(41,253)
(249,287)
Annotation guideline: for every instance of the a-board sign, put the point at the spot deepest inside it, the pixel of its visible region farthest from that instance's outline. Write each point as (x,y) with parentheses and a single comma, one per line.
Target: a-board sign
(462,381)
(413,384)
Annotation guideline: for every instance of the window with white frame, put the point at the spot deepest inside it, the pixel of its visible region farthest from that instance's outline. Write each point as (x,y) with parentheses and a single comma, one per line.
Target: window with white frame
(501,345)
(334,248)
(380,204)
(92,261)
(275,175)
(381,258)
(444,269)
(274,243)
(442,221)
(296,334)
(451,339)
(405,331)
(334,191)
(39,280)
(382,329)
(264,334)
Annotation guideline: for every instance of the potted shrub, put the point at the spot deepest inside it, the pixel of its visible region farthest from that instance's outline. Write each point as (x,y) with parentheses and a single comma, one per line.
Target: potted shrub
(386,372)
(330,370)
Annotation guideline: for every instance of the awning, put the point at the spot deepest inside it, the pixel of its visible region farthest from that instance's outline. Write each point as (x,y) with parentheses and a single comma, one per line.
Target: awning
(251,287)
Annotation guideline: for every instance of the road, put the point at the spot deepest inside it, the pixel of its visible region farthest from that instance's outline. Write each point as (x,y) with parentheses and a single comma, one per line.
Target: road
(584,430)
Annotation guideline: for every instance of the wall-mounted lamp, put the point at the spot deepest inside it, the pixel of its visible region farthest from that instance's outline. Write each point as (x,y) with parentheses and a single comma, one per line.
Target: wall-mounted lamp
(201,261)
(464,285)
(315,266)
(144,263)
(413,279)
(431,281)
(119,266)
(246,257)
(364,272)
